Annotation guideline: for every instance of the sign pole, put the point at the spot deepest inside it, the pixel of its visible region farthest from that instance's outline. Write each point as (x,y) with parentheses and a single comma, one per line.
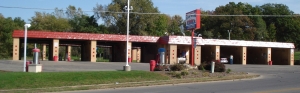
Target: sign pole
(192,47)
(193,21)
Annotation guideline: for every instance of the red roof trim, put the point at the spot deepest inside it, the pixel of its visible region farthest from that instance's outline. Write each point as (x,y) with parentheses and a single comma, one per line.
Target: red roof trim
(83,36)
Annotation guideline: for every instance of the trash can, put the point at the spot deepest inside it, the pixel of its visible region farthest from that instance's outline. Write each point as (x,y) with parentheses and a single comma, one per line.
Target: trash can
(152,65)
(161,52)
(36,56)
(270,62)
(55,58)
(69,58)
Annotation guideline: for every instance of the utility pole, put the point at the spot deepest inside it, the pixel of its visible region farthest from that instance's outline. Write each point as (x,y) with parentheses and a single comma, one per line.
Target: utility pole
(127,67)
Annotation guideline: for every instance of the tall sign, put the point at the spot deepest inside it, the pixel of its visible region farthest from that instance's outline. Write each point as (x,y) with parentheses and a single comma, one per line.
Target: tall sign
(193,19)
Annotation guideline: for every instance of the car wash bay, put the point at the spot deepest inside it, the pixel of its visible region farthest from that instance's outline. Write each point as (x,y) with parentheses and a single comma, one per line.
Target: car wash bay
(236,51)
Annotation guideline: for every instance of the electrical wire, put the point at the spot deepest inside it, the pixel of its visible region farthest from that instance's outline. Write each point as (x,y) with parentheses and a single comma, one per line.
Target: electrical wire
(296,15)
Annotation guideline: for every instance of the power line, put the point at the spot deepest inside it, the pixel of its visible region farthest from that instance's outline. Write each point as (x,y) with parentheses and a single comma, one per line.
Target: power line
(25,8)
(156,13)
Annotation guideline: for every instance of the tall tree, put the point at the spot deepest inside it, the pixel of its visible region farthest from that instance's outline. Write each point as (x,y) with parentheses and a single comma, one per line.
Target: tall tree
(174,25)
(114,15)
(207,25)
(285,28)
(161,26)
(48,22)
(84,23)
(242,27)
(272,32)
(7,25)
(73,12)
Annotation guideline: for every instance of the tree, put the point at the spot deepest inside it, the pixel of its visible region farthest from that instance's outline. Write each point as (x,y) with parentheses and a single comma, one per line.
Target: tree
(84,24)
(161,25)
(114,16)
(73,12)
(7,25)
(207,23)
(48,22)
(285,29)
(207,34)
(242,26)
(272,32)
(174,25)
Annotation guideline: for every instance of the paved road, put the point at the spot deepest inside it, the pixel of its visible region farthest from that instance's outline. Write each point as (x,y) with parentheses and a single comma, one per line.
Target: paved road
(274,79)
(50,66)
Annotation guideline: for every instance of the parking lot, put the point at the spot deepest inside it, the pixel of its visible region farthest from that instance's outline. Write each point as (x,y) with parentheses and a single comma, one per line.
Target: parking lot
(51,66)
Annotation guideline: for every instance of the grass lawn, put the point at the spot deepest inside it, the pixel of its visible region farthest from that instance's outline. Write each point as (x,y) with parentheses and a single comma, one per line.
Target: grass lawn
(21,80)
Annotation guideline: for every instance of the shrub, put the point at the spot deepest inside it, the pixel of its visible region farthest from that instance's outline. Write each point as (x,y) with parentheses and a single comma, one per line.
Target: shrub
(194,73)
(205,74)
(173,73)
(177,67)
(178,75)
(184,73)
(201,67)
(228,70)
(161,68)
(204,66)
(219,67)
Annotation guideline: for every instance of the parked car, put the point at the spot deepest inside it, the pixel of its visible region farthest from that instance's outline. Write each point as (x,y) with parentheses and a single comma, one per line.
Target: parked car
(224,60)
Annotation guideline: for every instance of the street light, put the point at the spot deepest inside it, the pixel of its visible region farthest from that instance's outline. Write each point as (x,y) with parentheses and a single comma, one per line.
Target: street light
(229,31)
(127,67)
(25,44)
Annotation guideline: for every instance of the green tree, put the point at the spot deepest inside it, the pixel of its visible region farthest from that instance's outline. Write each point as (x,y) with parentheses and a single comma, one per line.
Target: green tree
(73,12)
(286,29)
(84,24)
(207,34)
(7,25)
(174,25)
(272,32)
(242,26)
(48,22)
(161,25)
(115,16)
(208,23)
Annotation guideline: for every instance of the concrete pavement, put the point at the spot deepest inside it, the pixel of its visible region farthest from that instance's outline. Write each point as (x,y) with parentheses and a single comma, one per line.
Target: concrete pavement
(51,66)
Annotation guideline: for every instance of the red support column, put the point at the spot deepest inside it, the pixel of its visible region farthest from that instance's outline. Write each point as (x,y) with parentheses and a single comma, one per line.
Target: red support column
(192,48)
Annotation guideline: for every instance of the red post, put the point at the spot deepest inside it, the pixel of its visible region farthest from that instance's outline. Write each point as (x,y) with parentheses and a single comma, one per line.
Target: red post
(129,60)
(27,63)
(192,48)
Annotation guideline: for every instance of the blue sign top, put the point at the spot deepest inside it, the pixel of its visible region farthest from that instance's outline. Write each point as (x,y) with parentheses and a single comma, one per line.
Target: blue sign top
(161,50)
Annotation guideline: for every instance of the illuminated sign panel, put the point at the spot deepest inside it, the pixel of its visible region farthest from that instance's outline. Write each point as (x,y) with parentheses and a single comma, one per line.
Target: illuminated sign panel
(193,19)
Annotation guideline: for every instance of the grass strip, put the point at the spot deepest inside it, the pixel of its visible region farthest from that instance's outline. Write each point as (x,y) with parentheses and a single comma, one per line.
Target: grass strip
(21,80)
(133,84)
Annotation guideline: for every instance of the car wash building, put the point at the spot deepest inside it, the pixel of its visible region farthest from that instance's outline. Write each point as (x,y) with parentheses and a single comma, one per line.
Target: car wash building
(145,48)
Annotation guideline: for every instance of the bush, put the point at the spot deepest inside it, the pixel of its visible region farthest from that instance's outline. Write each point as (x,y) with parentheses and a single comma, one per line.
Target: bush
(184,73)
(219,67)
(161,68)
(204,66)
(178,75)
(228,70)
(177,67)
